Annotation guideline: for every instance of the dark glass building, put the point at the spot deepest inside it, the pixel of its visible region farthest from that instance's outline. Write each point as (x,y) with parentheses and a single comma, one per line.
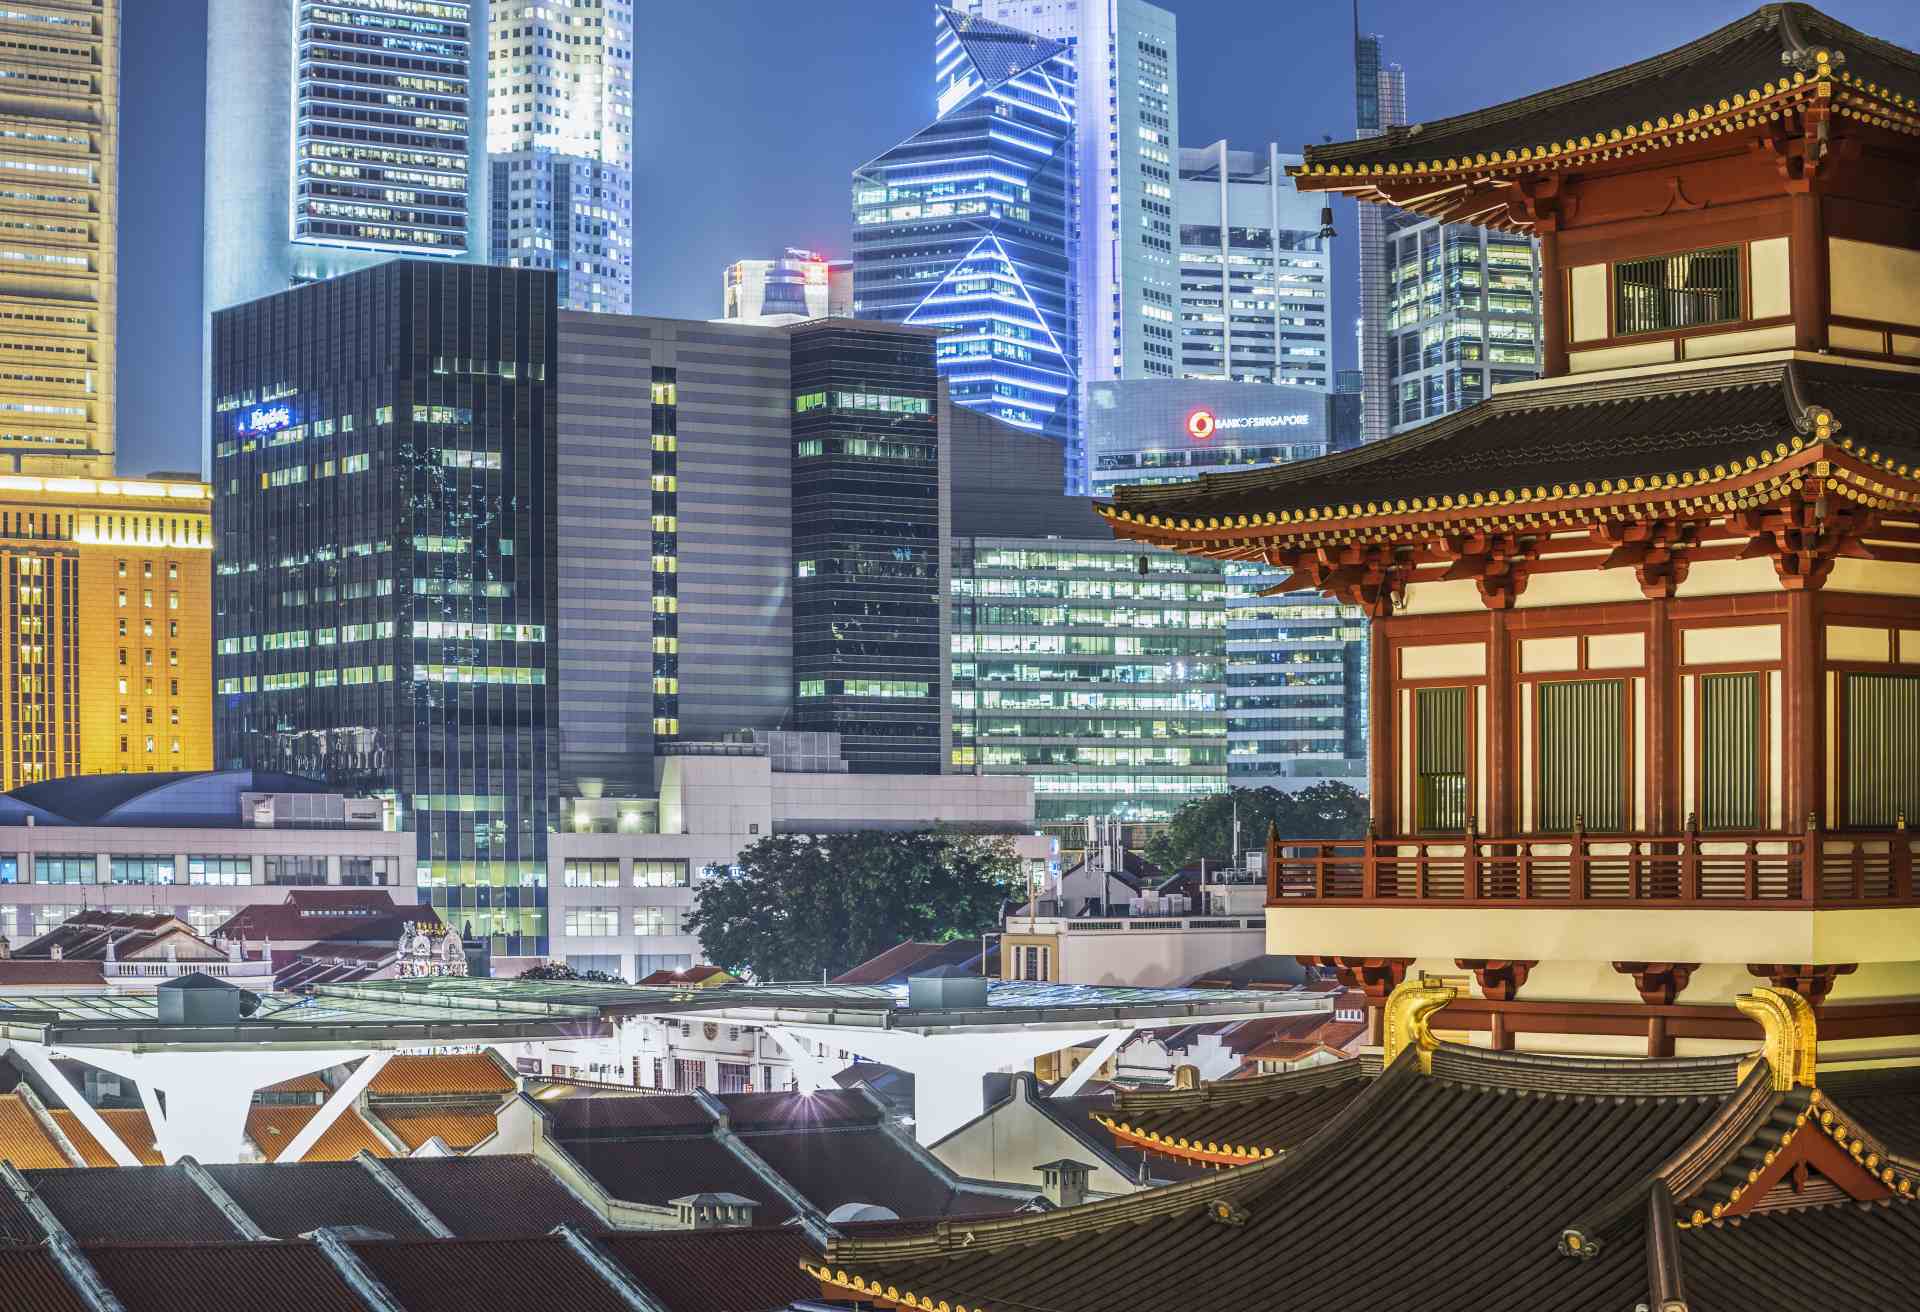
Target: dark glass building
(384,592)
(867,542)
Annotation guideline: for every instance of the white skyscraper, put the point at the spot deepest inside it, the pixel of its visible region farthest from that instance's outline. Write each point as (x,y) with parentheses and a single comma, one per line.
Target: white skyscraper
(1128,271)
(560,145)
(329,150)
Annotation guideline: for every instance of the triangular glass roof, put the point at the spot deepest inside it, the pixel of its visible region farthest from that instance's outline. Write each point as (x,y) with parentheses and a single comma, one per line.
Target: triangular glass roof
(1000,53)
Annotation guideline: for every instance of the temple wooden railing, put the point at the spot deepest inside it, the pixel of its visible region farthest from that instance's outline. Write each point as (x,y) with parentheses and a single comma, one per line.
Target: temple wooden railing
(1777,871)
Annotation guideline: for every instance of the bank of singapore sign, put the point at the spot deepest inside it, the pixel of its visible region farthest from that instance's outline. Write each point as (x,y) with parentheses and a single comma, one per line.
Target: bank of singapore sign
(1203,423)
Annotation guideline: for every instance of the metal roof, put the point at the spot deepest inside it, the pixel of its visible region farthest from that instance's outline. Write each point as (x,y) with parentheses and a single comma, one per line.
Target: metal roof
(1009,1004)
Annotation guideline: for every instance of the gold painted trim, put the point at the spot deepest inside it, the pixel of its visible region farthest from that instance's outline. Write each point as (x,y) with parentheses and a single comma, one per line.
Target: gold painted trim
(1405,1024)
(1792,1034)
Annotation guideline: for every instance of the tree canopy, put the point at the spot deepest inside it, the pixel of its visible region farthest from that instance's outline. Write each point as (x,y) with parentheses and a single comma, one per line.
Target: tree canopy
(560,970)
(1204,826)
(794,906)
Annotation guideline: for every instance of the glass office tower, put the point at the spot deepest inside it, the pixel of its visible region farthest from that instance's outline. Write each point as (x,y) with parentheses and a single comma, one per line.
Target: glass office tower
(384,598)
(867,537)
(59,235)
(560,145)
(968,225)
(338,136)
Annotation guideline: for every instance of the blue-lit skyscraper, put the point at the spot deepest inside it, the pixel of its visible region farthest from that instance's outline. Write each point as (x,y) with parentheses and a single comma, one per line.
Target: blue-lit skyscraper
(969,225)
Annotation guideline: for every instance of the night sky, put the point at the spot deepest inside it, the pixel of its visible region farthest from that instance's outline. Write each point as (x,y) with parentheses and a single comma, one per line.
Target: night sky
(750,114)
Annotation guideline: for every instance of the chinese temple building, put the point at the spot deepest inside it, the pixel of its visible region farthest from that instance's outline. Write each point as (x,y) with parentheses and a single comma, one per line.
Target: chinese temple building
(1645,684)
(1637,914)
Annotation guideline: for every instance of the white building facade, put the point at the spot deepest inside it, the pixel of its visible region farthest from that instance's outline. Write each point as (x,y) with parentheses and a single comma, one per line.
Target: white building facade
(623,874)
(560,145)
(1255,272)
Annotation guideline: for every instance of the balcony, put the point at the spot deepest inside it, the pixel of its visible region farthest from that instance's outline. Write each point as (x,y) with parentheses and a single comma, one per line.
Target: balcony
(1787,872)
(259,973)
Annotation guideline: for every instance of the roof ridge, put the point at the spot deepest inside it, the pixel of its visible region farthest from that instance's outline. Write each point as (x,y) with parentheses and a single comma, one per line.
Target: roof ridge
(1586,1077)
(1249,1090)
(1572,392)
(1567,93)
(1009,1232)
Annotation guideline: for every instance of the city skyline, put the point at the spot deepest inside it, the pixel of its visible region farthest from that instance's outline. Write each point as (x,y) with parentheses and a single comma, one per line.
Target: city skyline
(785,175)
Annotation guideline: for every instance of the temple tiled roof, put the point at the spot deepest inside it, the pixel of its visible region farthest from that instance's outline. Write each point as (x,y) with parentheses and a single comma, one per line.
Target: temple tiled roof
(1498,1181)
(459,1128)
(1713,76)
(487,1197)
(1887,1103)
(23,1140)
(34,1283)
(1628,436)
(132,1203)
(129,1124)
(446,1073)
(290,1201)
(461,1275)
(163,1278)
(1238,1121)
(273,1128)
(736,1270)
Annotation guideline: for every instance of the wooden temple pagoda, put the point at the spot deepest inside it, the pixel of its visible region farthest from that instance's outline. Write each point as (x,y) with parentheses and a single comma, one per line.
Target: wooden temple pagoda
(1638,912)
(1645,666)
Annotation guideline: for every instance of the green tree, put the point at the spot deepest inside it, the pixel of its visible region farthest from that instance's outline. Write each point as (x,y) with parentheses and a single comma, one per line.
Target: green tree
(794,906)
(1203,828)
(561,971)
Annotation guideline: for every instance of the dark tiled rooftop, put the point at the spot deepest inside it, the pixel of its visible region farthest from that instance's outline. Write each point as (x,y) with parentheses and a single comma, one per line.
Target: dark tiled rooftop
(484,1197)
(131,1203)
(1572,432)
(1840,1258)
(196,1278)
(627,1114)
(506,1275)
(660,1168)
(678,1267)
(1885,1102)
(32,1282)
(1269,1112)
(747,1111)
(832,1167)
(1501,1170)
(291,1200)
(1736,59)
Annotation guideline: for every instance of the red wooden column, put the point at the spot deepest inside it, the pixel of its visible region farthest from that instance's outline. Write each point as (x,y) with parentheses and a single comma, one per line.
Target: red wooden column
(1555,328)
(1663,758)
(1805,744)
(1808,250)
(1382,750)
(1502,767)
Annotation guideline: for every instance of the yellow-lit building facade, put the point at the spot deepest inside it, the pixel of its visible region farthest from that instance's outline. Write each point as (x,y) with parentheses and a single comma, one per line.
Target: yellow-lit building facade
(106,643)
(59,156)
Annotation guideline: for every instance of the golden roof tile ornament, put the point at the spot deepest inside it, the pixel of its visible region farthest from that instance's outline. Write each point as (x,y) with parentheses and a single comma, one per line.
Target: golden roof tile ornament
(1405,1022)
(1792,1034)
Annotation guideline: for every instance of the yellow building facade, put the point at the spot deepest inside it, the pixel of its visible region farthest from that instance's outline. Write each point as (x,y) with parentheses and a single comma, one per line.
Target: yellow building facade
(59,159)
(106,627)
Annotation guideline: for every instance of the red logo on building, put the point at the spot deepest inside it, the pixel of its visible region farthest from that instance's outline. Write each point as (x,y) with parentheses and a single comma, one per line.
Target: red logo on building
(1200,424)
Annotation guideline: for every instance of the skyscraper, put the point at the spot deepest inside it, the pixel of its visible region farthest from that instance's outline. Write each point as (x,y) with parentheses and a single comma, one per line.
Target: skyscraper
(105,655)
(1447,311)
(969,225)
(800,282)
(868,636)
(59,229)
(385,602)
(1127,53)
(1255,273)
(340,135)
(560,145)
(1380,102)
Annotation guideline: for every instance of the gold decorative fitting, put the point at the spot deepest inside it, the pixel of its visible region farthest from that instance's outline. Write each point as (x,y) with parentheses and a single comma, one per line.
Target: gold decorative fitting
(1404,1024)
(1791,1034)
